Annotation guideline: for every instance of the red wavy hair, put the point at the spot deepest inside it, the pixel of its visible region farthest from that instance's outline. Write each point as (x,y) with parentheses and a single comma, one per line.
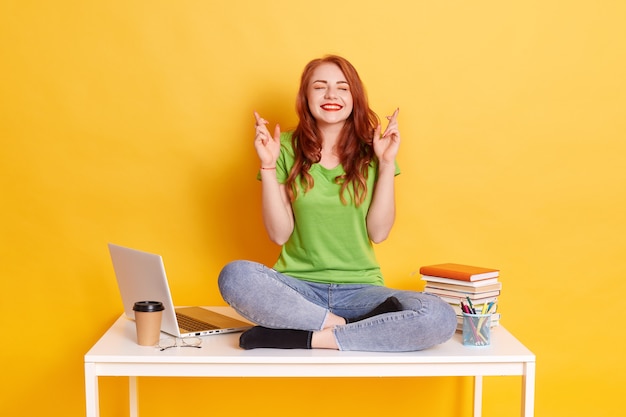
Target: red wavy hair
(354,146)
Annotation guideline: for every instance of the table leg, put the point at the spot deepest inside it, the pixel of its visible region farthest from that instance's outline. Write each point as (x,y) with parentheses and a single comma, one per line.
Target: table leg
(91,391)
(132,396)
(478,396)
(528,390)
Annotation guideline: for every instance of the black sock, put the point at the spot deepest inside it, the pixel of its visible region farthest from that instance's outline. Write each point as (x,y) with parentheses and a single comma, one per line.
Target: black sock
(263,337)
(390,305)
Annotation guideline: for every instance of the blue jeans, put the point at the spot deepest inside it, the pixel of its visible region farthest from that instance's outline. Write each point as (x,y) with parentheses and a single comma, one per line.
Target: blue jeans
(271,299)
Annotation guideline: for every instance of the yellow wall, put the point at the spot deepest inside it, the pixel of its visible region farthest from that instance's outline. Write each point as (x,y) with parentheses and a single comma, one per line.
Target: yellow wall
(131,122)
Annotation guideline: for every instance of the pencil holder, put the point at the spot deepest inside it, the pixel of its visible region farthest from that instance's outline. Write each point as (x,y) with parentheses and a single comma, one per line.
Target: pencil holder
(476,329)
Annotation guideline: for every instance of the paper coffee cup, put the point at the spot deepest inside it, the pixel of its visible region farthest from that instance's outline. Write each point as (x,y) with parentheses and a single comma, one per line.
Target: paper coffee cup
(148,316)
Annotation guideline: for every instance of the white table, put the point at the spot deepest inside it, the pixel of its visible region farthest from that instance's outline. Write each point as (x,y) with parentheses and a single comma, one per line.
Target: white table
(117,354)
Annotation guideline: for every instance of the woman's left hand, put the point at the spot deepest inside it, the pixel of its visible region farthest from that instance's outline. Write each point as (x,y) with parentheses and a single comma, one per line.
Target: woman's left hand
(386,146)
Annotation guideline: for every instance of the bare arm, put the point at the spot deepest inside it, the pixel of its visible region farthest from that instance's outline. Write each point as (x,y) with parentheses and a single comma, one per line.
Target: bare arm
(276,207)
(277,214)
(382,211)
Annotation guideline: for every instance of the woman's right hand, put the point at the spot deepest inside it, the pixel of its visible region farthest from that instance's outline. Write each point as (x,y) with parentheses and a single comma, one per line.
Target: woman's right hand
(267,146)
(277,212)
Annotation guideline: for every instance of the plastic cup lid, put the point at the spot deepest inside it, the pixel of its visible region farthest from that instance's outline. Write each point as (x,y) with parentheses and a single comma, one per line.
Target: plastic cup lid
(148,306)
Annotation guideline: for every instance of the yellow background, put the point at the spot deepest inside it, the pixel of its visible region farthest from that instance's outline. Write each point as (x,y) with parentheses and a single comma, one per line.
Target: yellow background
(131,122)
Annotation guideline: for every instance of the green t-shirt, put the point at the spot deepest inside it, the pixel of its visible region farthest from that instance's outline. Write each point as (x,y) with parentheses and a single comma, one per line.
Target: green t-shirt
(329,243)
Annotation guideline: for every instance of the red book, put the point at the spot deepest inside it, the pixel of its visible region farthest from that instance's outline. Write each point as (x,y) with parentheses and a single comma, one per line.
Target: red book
(459,272)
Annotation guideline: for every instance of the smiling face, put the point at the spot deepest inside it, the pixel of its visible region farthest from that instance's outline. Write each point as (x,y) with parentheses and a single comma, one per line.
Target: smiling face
(329,96)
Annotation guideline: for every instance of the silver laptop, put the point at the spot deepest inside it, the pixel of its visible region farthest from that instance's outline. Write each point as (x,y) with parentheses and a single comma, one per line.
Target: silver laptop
(141,277)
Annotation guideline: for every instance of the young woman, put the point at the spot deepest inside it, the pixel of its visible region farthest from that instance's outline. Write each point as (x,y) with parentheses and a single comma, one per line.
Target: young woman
(327,194)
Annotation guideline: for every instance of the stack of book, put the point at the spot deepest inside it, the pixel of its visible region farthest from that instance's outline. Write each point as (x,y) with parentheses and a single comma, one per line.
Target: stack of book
(456,283)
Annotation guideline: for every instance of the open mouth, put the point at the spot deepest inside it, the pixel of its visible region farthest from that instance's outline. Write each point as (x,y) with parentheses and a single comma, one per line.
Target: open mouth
(331,107)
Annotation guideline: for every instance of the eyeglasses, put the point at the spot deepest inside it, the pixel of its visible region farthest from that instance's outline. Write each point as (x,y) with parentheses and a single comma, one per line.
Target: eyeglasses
(171,342)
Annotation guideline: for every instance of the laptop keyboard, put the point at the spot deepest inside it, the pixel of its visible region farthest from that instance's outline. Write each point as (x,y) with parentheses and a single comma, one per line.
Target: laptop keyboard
(191,324)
